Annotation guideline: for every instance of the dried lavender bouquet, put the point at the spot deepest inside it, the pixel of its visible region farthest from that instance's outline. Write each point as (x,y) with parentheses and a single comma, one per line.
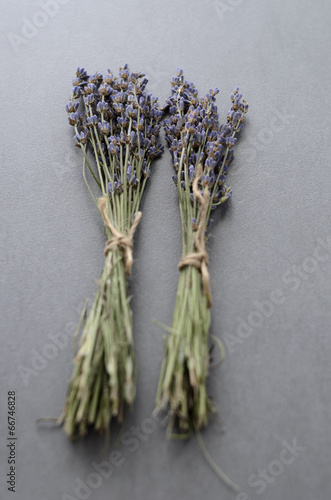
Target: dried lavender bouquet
(201,153)
(119,123)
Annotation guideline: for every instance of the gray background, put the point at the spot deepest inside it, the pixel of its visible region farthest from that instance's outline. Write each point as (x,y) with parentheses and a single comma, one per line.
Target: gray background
(275,385)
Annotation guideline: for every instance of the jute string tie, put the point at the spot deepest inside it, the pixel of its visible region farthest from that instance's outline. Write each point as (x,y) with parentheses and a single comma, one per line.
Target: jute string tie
(119,240)
(199,259)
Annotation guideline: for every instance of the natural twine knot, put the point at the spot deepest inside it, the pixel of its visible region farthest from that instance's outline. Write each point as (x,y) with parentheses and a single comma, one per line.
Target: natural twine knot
(199,259)
(119,240)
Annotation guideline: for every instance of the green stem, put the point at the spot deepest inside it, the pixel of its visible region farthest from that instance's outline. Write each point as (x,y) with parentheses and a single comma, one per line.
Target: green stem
(226,480)
(105,363)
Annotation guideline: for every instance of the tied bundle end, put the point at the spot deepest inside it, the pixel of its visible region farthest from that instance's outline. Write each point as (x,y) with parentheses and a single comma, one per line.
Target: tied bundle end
(119,240)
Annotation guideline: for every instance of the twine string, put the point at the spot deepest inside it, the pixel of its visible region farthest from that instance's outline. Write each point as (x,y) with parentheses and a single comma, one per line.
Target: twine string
(199,259)
(119,240)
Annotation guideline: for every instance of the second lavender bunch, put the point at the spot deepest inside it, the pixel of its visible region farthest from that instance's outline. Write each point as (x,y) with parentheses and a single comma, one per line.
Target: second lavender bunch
(201,152)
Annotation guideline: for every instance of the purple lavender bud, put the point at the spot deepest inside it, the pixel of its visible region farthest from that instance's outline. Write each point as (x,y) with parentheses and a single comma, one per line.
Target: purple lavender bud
(244,106)
(114,150)
(230,141)
(226,193)
(143,84)
(76,91)
(182,185)
(110,188)
(89,99)
(104,89)
(104,127)
(147,143)
(108,78)
(102,106)
(152,152)
(76,81)
(175,179)
(191,171)
(131,112)
(72,107)
(210,163)
(97,77)
(81,138)
(74,118)
(92,120)
(81,73)
(90,88)
(212,178)
(205,180)
(118,108)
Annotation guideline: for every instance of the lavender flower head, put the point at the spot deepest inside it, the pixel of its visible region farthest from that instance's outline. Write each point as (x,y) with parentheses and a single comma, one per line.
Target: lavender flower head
(195,137)
(120,121)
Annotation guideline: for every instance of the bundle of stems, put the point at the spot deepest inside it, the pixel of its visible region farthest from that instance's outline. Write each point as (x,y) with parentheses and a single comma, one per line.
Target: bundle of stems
(119,123)
(201,152)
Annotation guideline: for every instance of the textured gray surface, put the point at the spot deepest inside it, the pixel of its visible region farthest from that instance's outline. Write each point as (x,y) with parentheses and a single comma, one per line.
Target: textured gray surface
(275,384)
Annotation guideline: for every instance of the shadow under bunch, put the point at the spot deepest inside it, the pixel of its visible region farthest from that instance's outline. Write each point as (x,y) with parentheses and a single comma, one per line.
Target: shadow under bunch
(119,123)
(201,151)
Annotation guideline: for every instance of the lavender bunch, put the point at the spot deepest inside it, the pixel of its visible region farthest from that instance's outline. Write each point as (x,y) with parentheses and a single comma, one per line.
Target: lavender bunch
(119,123)
(201,151)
